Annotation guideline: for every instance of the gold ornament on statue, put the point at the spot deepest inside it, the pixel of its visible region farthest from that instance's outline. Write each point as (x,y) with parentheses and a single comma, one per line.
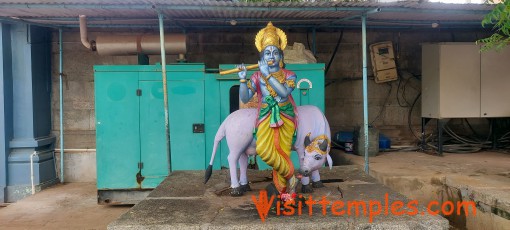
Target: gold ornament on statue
(270,36)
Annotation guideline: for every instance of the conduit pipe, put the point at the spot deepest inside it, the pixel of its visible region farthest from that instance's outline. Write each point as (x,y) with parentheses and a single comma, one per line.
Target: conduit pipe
(140,44)
(84,34)
(75,150)
(132,44)
(61,92)
(32,171)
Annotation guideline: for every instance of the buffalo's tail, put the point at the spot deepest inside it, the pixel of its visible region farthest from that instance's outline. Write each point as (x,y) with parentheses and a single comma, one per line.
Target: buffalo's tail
(219,135)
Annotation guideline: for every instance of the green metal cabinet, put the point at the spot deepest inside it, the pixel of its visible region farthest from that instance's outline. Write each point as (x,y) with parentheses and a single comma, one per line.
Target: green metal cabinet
(129,129)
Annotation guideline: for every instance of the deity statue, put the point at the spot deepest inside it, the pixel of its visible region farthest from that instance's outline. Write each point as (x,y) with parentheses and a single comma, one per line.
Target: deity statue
(275,128)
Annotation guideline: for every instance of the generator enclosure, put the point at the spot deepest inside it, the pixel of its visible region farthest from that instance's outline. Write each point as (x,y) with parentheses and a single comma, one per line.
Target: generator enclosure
(460,81)
(130,123)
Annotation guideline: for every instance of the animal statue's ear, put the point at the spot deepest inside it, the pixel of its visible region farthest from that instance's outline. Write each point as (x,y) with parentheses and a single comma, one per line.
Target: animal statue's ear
(307,140)
(330,161)
(324,145)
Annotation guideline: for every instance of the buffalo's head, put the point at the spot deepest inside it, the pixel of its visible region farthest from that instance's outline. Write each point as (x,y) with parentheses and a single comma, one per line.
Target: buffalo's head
(316,154)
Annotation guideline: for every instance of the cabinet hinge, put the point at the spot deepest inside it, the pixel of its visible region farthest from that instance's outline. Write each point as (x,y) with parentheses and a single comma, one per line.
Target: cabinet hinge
(138,92)
(140,165)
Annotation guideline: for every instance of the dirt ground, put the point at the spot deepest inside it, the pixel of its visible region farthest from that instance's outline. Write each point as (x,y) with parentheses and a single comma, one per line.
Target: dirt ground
(63,206)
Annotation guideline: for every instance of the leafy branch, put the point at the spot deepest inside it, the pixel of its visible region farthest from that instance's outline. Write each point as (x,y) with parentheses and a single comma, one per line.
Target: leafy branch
(499,17)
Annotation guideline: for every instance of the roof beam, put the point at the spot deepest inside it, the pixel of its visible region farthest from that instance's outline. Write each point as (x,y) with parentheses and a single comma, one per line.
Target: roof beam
(375,10)
(232,8)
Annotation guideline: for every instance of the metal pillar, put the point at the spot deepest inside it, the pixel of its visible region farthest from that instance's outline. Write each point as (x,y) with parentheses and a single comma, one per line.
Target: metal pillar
(365,87)
(165,89)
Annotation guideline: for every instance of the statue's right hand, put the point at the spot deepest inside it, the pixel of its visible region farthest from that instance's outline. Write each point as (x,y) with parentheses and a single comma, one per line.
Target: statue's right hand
(242,73)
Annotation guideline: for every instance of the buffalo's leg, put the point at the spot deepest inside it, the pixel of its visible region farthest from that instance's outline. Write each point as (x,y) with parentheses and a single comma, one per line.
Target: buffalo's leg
(316,179)
(243,176)
(234,183)
(306,187)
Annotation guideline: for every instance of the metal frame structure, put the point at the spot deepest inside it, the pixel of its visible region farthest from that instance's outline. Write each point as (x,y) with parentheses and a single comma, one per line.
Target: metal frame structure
(185,15)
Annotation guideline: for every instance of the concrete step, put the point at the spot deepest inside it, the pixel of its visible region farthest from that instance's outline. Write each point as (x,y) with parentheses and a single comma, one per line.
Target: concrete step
(482,178)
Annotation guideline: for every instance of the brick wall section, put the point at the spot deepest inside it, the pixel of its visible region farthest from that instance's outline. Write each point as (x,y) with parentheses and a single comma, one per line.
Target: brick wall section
(344,102)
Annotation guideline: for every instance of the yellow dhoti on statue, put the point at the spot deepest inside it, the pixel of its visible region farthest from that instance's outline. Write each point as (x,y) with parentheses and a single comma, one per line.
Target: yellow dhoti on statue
(274,147)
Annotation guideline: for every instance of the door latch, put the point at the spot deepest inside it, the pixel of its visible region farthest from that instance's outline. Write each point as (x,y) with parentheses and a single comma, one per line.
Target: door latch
(198,128)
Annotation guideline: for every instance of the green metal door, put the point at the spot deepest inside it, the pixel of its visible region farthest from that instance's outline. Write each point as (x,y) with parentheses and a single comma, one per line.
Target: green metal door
(153,154)
(309,84)
(186,113)
(117,129)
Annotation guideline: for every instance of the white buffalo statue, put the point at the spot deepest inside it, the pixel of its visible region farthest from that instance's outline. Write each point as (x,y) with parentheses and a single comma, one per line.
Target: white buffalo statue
(313,129)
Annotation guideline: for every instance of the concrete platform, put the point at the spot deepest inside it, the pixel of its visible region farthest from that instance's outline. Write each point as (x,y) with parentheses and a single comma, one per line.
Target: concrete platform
(182,201)
(481,177)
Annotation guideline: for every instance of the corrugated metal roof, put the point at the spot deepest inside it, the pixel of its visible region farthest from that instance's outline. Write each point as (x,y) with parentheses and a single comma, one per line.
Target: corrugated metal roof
(203,13)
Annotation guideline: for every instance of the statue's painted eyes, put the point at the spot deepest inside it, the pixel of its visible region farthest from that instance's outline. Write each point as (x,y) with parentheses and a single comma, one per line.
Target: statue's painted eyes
(317,157)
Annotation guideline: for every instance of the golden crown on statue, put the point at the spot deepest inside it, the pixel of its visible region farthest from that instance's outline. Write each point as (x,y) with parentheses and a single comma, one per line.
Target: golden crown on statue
(270,35)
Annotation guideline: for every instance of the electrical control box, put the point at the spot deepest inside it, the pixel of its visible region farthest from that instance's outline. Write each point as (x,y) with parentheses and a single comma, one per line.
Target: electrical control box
(383,62)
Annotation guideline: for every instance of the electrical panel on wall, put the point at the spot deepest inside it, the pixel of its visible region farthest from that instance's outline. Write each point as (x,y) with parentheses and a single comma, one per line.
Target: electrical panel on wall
(383,62)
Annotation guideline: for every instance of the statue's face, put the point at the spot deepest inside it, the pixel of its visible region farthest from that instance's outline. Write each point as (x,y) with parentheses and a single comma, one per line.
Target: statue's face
(271,54)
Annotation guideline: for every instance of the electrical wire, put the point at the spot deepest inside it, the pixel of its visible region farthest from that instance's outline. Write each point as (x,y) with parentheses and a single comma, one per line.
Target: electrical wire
(454,143)
(409,116)
(398,89)
(384,104)
(463,140)
(308,41)
(471,127)
(334,51)
(404,90)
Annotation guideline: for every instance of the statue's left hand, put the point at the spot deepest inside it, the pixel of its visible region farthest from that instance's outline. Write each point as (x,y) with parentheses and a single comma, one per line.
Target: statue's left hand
(242,73)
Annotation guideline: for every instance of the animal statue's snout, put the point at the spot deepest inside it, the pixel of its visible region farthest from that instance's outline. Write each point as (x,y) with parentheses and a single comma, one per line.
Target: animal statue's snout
(304,172)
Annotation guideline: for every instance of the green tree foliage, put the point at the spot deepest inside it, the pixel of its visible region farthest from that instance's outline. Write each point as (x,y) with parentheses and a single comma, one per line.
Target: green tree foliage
(500,18)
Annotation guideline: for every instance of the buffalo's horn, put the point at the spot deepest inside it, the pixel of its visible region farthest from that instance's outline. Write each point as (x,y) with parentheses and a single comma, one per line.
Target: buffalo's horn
(307,140)
(324,145)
